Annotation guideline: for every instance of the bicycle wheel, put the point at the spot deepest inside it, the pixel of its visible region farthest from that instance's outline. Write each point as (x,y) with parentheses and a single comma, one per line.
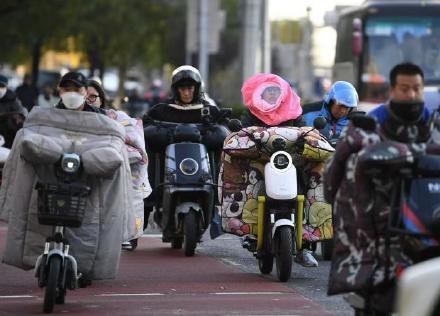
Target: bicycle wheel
(50,294)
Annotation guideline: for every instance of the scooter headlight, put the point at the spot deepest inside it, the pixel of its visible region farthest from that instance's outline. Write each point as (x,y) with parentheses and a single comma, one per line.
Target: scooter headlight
(281,160)
(70,163)
(189,166)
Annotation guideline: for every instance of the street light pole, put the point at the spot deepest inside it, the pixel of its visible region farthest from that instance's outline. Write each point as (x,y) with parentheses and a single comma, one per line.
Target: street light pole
(203,42)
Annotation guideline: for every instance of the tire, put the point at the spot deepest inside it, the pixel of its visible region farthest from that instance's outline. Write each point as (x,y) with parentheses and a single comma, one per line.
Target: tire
(134,244)
(53,275)
(265,263)
(327,249)
(283,252)
(176,243)
(190,229)
(61,296)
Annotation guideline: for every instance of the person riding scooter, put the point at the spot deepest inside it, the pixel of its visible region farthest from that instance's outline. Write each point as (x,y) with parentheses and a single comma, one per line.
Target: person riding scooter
(48,133)
(185,106)
(271,103)
(339,102)
(368,257)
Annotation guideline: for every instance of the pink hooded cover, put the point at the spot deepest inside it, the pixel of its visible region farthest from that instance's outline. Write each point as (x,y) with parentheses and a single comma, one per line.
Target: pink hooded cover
(286,107)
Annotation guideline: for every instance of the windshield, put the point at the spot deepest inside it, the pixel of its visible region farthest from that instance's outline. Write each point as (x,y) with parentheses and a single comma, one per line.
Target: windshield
(391,40)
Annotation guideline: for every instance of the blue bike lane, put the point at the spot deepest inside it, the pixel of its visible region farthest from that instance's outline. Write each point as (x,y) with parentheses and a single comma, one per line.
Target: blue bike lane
(157,280)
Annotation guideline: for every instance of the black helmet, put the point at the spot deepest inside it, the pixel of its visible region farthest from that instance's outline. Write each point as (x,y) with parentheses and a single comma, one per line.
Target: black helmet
(186,76)
(407,112)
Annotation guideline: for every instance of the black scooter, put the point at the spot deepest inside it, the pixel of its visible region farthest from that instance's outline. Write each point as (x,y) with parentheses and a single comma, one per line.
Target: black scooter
(185,176)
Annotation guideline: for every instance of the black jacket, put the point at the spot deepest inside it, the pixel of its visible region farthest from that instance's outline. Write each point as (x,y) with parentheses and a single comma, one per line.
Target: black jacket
(248,119)
(12,116)
(10,104)
(171,112)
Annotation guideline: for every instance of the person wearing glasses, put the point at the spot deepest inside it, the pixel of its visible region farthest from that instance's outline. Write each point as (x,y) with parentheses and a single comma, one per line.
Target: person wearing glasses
(73,93)
(95,94)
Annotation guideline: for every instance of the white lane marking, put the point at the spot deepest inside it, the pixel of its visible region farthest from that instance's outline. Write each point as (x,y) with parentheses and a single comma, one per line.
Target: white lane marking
(249,293)
(129,294)
(151,235)
(230,262)
(16,296)
(215,293)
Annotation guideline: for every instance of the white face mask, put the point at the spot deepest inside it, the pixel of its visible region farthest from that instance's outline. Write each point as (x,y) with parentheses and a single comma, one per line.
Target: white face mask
(72,100)
(3,92)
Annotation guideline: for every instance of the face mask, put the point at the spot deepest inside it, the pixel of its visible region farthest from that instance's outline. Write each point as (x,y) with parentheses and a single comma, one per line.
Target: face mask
(72,100)
(2,92)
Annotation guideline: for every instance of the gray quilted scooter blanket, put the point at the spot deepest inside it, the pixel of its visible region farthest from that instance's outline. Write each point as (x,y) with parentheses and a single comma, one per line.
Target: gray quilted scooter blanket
(108,219)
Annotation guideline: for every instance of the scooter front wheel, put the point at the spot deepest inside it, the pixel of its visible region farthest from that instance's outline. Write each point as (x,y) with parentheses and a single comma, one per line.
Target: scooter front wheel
(50,294)
(190,240)
(283,252)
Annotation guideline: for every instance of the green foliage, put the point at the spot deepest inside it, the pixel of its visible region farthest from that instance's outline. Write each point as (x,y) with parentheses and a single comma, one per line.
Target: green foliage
(26,23)
(120,33)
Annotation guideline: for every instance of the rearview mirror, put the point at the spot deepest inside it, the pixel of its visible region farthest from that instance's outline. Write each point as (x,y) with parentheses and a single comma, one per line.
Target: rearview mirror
(363,121)
(319,122)
(234,125)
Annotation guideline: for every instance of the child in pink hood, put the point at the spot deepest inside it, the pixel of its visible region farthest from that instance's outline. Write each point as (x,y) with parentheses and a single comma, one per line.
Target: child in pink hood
(271,102)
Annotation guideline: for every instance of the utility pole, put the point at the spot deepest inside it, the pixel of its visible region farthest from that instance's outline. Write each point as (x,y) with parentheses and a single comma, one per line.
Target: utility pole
(203,42)
(252,38)
(191,28)
(266,41)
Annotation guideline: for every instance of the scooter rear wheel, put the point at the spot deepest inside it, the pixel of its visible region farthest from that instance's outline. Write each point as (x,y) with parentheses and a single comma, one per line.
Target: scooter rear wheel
(327,249)
(50,294)
(283,252)
(190,240)
(265,263)
(176,243)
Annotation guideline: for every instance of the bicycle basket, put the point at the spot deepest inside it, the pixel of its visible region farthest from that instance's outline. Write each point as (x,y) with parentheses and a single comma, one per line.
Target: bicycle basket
(61,204)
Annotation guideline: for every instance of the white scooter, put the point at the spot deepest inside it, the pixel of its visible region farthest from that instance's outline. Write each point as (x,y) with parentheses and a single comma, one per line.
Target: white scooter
(280,210)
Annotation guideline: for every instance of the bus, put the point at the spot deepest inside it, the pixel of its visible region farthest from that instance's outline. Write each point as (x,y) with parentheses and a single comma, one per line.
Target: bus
(375,36)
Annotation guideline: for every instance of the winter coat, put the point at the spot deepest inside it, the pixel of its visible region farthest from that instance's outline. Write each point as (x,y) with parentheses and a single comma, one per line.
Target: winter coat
(361,208)
(333,127)
(108,219)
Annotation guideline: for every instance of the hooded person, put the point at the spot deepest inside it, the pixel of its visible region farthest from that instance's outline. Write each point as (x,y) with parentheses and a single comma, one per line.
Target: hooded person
(270,101)
(340,101)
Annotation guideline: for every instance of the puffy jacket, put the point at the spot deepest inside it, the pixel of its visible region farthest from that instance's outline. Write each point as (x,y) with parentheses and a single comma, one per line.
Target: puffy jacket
(333,127)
